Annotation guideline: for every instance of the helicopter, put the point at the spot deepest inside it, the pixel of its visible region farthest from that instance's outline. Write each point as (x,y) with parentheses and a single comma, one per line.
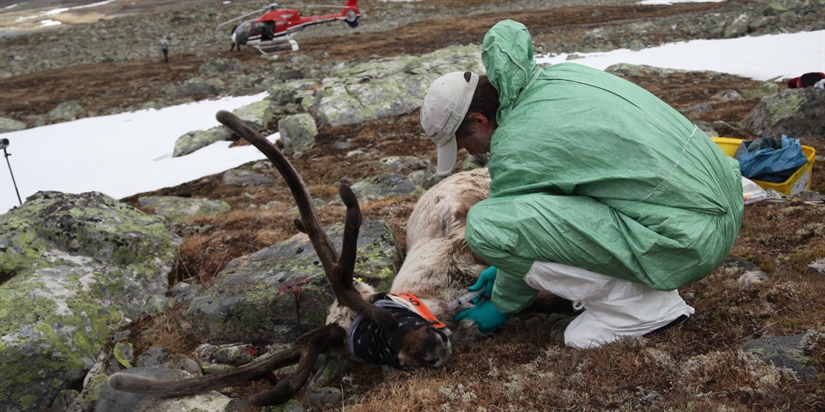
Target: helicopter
(273,31)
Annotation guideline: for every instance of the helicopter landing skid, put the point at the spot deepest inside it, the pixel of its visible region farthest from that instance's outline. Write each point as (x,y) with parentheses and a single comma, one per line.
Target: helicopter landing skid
(272,49)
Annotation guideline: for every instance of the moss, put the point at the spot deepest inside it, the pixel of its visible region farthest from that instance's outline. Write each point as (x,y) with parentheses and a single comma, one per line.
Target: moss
(123,354)
(20,249)
(27,401)
(92,390)
(82,264)
(784,108)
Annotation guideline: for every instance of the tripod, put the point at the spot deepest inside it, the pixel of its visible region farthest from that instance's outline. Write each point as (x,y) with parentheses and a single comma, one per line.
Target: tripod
(7,154)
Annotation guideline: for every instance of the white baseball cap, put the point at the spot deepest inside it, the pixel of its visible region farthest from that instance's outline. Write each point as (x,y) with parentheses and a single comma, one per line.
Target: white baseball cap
(445,105)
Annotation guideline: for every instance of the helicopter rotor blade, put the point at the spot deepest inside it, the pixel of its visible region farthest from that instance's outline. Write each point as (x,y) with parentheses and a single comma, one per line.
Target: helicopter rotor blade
(271,7)
(320,6)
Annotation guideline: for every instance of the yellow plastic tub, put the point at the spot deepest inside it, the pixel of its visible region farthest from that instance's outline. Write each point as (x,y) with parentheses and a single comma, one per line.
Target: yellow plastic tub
(799,181)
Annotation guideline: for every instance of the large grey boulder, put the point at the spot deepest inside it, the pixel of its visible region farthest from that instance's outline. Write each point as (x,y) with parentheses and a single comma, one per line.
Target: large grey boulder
(246,177)
(196,86)
(74,269)
(280,292)
(11,125)
(796,113)
(256,115)
(293,96)
(385,185)
(298,133)
(64,111)
(218,65)
(198,139)
(111,400)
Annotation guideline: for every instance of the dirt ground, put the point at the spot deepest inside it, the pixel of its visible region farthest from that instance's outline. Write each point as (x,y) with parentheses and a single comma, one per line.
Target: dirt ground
(502,372)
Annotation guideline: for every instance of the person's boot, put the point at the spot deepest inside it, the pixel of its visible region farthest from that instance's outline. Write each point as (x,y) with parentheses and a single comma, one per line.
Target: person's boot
(613,308)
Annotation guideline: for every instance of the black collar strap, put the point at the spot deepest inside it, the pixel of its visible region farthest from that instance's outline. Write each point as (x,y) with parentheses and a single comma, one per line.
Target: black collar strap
(372,344)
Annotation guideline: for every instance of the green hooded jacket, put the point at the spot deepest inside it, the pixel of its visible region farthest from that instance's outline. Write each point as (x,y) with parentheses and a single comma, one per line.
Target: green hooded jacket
(592,171)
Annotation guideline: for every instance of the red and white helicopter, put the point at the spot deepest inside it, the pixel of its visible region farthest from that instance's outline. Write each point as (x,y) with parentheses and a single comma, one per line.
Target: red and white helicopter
(273,31)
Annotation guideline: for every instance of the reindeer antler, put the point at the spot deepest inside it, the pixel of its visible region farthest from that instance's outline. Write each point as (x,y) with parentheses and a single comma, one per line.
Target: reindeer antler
(306,349)
(339,271)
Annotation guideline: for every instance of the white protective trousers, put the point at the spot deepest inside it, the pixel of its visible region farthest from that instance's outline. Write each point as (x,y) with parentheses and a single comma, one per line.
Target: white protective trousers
(614,308)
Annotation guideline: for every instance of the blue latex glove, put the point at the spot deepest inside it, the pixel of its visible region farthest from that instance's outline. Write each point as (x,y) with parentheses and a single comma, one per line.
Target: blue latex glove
(485,316)
(485,281)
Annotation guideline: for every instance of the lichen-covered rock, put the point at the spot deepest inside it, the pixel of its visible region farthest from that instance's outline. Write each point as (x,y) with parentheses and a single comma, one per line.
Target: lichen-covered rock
(198,139)
(796,113)
(218,65)
(111,400)
(298,133)
(74,269)
(181,209)
(402,164)
(10,125)
(300,93)
(246,177)
(196,86)
(70,110)
(256,114)
(280,292)
(384,185)
(386,87)
(783,352)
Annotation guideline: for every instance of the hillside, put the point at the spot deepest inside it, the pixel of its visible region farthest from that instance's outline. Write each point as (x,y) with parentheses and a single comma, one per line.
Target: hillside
(524,366)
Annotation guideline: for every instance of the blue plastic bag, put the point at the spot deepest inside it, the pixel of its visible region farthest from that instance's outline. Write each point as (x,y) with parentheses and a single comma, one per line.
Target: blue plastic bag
(769,159)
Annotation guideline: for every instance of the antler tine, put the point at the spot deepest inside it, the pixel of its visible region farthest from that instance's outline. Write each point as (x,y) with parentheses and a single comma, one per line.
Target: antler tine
(305,350)
(351,298)
(323,246)
(339,271)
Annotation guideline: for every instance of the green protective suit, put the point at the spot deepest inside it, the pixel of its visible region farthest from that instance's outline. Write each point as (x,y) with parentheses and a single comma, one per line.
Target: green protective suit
(592,171)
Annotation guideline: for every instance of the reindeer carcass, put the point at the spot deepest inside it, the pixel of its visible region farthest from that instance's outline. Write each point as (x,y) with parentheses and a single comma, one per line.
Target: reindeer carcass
(409,327)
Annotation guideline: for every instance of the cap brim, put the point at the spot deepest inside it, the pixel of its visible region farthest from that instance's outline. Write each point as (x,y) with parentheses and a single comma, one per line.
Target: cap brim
(446,156)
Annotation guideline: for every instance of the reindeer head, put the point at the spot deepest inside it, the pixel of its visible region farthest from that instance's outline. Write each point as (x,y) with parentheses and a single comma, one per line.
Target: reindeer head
(417,342)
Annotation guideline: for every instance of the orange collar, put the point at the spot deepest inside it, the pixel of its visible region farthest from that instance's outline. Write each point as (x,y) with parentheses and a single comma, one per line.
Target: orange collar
(422,310)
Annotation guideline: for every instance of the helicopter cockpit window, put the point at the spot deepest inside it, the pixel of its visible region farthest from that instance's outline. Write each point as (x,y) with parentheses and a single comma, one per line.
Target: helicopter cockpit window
(241,33)
(257,27)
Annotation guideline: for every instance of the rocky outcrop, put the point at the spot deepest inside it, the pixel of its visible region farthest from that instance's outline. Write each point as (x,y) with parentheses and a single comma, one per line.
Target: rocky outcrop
(75,268)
